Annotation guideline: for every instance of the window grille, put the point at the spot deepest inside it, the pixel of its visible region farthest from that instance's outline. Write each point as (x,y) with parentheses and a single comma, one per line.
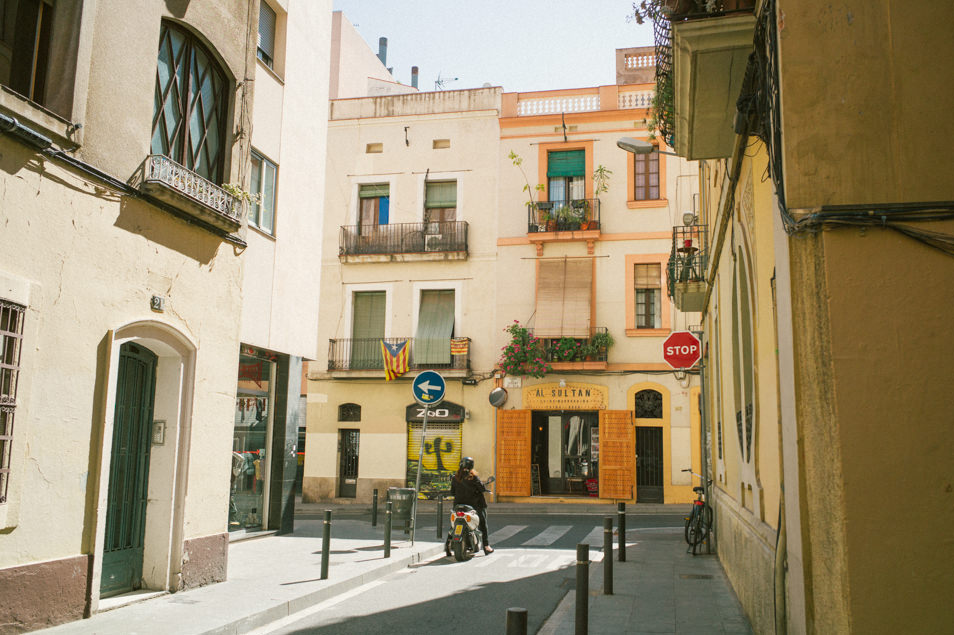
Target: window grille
(11,339)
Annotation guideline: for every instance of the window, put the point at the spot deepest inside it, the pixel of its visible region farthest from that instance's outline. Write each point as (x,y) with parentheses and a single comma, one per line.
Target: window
(565,171)
(264,177)
(266,34)
(648,296)
(564,292)
(440,202)
(367,329)
(646,177)
(25,28)
(435,327)
(191,100)
(11,336)
(374,201)
(349,412)
(648,404)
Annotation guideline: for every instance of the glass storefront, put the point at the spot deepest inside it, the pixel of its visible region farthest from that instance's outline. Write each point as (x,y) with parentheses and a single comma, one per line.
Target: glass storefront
(251,442)
(565,449)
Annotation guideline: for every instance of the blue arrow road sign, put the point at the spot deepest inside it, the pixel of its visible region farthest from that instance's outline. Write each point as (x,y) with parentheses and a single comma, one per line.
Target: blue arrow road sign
(428,388)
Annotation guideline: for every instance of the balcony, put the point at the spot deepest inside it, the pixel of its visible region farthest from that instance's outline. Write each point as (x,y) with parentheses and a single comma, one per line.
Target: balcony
(701,60)
(687,267)
(557,222)
(403,242)
(176,185)
(362,358)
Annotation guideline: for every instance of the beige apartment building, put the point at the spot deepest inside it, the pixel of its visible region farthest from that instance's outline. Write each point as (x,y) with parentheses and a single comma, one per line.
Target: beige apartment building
(826,191)
(439,247)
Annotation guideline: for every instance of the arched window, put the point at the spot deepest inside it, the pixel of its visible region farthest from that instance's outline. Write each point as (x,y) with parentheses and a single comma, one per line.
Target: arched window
(190,104)
(349,412)
(648,404)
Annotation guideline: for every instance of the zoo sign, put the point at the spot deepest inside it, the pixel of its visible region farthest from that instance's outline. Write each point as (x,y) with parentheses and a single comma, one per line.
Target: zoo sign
(682,350)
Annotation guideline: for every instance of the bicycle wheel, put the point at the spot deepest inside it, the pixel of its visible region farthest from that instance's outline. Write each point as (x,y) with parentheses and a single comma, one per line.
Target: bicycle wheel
(698,528)
(689,520)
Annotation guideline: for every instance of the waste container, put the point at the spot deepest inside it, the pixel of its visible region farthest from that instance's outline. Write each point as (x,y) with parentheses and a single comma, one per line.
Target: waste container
(402,499)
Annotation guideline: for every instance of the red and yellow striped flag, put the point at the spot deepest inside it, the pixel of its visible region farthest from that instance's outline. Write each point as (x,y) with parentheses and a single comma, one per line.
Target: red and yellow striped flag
(395,359)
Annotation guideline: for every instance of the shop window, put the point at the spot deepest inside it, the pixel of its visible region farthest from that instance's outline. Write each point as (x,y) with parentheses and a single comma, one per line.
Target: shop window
(254,403)
(564,296)
(349,412)
(25,29)
(11,338)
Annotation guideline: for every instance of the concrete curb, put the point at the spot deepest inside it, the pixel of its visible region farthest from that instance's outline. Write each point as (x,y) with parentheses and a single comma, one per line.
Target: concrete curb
(287,608)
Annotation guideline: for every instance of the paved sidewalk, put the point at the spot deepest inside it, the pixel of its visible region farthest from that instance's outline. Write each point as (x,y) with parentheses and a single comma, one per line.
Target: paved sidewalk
(659,589)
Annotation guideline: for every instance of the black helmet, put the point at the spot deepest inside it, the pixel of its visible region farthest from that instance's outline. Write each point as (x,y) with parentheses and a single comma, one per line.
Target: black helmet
(467,463)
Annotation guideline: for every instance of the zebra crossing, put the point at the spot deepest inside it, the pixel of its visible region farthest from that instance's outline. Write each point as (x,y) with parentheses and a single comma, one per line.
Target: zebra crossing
(550,536)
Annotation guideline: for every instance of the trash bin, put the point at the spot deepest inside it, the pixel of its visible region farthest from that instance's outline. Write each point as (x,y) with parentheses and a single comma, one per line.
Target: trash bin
(402,499)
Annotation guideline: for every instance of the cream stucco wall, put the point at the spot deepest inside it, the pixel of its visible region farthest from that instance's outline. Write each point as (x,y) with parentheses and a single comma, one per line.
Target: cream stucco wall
(356,70)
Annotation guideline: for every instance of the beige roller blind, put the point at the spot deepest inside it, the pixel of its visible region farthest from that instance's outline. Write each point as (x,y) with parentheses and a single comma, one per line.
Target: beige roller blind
(564,294)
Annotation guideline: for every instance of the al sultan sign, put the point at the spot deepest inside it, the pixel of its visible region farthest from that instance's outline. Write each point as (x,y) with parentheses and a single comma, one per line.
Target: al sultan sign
(682,350)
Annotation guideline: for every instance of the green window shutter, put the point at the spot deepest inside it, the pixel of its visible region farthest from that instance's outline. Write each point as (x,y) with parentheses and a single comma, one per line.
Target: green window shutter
(435,326)
(375,190)
(441,194)
(566,163)
(368,318)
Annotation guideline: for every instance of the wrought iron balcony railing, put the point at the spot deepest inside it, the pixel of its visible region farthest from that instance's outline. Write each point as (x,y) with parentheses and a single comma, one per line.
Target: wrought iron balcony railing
(403,238)
(575,215)
(179,186)
(687,266)
(366,353)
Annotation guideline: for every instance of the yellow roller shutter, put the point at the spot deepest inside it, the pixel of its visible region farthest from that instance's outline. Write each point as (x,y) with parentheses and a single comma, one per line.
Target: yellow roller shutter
(513,453)
(617,454)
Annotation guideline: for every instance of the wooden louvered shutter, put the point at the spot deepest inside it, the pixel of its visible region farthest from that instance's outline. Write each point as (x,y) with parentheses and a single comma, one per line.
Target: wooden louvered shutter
(513,453)
(617,454)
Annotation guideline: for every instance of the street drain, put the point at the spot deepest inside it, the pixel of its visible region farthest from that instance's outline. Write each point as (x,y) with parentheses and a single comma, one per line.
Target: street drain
(695,576)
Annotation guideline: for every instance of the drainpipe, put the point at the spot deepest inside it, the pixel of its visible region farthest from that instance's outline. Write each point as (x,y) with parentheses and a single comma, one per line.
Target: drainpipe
(31,137)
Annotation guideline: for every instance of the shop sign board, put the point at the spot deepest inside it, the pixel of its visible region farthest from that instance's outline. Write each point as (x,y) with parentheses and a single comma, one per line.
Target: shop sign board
(682,350)
(445,412)
(570,396)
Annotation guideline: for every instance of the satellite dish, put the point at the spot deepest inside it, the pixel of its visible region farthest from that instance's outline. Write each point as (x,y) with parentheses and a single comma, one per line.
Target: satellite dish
(498,397)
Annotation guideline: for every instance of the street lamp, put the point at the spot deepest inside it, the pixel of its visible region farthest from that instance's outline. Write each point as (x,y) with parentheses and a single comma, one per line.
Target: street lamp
(638,146)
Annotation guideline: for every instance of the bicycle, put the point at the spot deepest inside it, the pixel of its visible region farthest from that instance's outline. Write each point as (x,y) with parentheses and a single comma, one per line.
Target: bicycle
(699,521)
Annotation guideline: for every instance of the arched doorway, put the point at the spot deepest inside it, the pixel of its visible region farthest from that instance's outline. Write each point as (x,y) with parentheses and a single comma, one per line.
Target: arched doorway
(648,405)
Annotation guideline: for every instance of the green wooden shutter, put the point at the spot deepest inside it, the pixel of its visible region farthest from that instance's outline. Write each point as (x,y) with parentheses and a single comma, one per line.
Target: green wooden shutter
(367,329)
(435,325)
(441,194)
(374,190)
(566,163)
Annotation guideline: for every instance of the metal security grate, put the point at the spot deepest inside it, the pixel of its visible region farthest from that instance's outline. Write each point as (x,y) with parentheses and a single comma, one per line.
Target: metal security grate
(11,339)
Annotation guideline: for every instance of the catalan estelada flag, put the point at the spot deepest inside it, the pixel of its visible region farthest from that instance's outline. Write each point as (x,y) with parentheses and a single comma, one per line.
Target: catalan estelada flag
(395,358)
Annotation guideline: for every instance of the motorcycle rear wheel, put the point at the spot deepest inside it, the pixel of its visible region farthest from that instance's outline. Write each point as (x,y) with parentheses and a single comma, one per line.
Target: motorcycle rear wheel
(457,546)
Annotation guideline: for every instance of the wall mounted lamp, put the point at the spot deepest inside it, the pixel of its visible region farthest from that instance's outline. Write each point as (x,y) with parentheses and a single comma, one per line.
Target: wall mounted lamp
(638,146)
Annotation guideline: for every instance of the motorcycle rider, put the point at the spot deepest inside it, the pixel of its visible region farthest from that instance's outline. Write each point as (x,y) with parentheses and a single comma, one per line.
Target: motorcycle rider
(467,489)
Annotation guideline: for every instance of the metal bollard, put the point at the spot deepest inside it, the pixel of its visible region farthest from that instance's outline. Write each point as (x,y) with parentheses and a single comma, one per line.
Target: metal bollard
(387,531)
(374,508)
(326,545)
(582,589)
(621,527)
(440,516)
(516,621)
(608,555)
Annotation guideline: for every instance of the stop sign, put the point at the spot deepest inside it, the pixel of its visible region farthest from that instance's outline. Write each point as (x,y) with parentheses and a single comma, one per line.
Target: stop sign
(682,349)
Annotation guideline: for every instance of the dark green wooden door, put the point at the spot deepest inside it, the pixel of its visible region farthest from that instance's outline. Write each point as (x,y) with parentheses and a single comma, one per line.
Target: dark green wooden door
(129,471)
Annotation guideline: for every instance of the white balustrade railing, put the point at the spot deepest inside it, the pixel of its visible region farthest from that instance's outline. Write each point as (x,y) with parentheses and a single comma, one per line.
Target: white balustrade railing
(183,180)
(644,60)
(635,99)
(558,104)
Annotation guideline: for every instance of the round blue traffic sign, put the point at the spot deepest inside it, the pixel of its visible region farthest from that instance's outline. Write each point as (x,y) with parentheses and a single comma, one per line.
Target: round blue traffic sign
(428,388)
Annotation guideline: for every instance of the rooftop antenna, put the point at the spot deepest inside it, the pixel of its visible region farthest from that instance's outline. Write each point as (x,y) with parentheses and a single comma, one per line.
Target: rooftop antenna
(441,82)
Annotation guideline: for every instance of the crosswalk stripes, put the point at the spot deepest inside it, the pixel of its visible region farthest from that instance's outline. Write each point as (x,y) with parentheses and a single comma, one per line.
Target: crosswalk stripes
(548,536)
(594,539)
(505,532)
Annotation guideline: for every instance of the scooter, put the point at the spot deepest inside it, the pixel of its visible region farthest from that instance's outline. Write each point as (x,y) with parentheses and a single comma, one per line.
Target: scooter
(464,538)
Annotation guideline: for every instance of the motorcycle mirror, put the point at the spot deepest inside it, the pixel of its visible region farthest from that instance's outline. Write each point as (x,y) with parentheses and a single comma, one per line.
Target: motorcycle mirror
(491,479)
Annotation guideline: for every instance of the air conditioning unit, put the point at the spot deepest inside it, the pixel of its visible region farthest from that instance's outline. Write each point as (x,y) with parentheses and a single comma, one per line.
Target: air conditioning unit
(433,228)
(434,242)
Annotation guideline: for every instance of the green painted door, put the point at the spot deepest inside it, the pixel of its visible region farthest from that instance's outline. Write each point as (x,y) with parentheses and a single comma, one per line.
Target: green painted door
(129,471)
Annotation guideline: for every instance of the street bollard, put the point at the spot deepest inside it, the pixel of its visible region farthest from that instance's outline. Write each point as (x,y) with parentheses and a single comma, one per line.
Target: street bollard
(387,531)
(440,516)
(608,555)
(582,589)
(516,621)
(621,527)
(374,508)
(326,545)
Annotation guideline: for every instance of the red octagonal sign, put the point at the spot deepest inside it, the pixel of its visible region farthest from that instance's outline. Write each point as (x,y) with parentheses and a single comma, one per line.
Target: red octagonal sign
(682,349)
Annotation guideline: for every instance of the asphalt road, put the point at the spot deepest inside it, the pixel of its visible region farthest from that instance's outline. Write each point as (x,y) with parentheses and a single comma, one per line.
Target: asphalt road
(533,567)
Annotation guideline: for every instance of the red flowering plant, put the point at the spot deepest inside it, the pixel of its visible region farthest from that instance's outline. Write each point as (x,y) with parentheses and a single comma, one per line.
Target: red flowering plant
(525,354)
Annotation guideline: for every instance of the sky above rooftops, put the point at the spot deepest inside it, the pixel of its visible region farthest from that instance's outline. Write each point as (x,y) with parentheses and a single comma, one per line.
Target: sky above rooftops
(521,45)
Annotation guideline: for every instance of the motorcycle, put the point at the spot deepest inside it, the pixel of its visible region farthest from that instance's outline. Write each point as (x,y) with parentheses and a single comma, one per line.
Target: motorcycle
(464,538)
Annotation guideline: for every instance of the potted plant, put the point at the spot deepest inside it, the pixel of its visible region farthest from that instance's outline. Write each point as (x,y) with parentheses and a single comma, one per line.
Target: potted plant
(525,354)
(565,349)
(598,343)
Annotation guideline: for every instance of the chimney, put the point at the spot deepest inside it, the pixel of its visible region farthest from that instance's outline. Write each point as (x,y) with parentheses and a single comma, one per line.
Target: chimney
(383,50)
(414,76)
